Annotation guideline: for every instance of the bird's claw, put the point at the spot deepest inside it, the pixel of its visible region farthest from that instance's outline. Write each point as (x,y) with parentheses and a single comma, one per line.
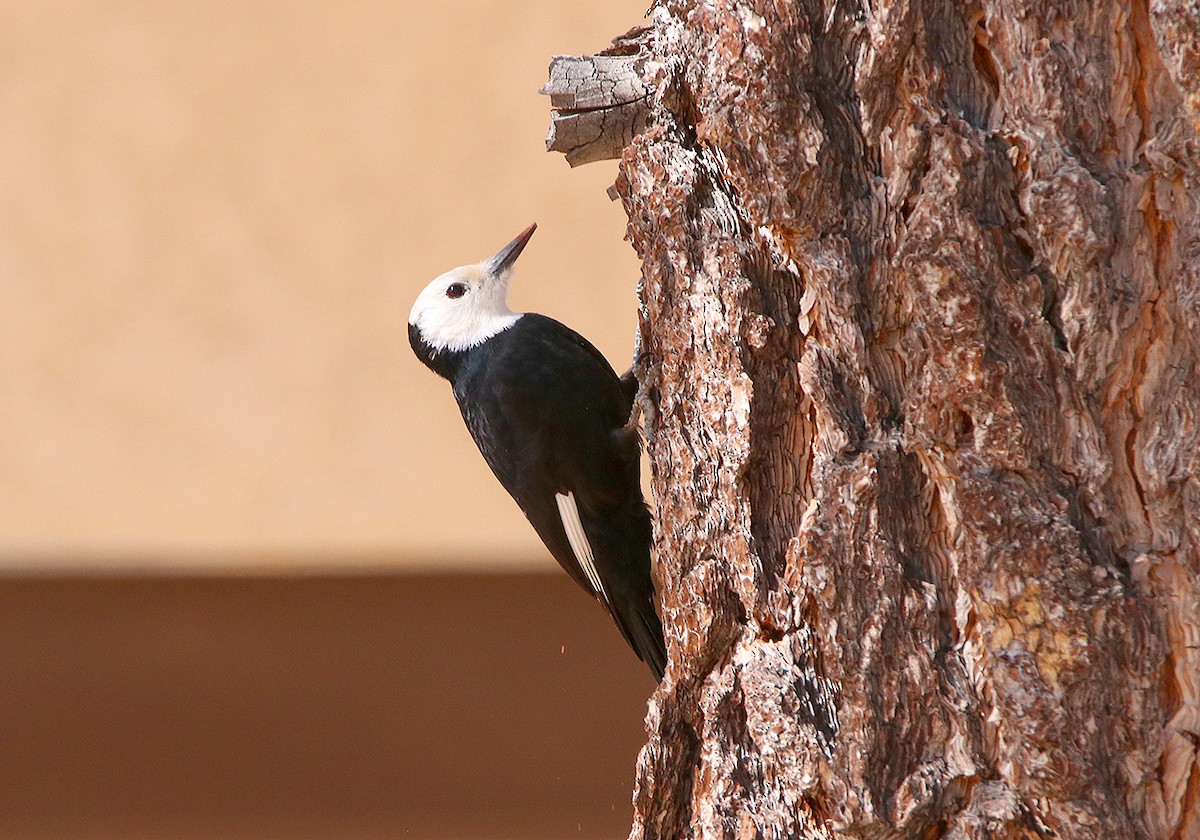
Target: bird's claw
(644,412)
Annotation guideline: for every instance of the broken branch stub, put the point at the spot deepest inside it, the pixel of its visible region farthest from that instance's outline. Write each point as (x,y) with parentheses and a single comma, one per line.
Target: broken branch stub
(598,102)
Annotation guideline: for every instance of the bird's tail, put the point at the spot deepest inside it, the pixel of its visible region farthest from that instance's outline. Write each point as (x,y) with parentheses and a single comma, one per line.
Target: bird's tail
(644,631)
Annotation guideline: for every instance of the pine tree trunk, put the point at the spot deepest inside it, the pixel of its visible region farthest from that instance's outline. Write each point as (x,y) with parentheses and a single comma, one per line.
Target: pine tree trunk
(921,316)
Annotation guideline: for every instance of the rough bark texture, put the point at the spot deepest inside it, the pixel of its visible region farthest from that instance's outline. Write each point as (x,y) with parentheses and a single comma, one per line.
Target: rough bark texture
(598,101)
(921,307)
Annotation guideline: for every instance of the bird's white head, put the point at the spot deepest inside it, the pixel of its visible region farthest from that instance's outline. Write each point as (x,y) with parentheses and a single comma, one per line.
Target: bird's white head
(468,305)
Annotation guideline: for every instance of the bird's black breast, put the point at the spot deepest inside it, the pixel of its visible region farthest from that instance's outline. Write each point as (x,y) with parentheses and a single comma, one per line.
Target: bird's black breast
(445,363)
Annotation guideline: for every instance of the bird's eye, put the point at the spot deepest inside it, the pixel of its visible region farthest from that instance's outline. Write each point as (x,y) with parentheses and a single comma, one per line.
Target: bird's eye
(456,290)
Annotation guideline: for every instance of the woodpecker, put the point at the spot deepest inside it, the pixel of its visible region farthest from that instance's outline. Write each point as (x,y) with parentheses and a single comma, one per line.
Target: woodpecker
(551,418)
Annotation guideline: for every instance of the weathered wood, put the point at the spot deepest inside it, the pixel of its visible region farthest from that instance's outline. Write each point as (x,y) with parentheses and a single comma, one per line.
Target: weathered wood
(598,101)
(921,296)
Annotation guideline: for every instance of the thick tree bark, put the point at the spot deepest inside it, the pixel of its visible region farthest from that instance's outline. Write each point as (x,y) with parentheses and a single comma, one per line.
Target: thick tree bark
(921,309)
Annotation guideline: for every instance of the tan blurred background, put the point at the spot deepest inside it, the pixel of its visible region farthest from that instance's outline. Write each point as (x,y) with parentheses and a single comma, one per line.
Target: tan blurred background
(214,217)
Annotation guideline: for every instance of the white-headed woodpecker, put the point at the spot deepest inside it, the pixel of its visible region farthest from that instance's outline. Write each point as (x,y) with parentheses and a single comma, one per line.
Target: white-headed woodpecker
(551,418)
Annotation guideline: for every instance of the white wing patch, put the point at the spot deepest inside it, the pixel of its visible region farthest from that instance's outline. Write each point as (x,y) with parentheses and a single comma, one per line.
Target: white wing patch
(568,511)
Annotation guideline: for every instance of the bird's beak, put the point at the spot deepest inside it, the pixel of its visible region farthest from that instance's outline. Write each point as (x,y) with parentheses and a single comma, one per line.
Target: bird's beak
(503,261)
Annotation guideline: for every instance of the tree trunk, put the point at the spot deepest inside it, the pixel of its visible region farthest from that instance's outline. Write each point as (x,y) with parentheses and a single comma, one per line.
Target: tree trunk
(921,316)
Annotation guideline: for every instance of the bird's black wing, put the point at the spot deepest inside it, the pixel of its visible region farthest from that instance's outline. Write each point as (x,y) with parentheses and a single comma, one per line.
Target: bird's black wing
(548,413)
(540,403)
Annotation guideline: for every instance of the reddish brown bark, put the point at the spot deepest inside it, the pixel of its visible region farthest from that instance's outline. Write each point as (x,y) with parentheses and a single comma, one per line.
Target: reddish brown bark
(921,309)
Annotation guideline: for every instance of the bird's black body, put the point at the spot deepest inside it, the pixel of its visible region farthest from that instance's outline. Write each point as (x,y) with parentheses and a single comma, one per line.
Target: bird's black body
(550,416)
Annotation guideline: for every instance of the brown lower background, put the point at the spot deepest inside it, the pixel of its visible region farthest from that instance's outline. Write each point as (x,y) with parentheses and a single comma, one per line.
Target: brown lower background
(372,706)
